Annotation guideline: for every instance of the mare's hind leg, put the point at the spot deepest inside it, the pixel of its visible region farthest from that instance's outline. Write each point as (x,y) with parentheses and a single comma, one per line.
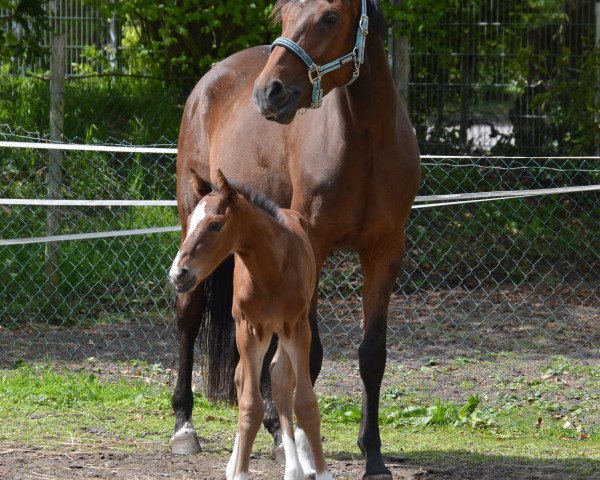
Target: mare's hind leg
(380,264)
(190,308)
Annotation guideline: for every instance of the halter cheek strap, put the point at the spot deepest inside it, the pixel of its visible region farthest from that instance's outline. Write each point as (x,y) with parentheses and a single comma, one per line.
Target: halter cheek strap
(315,72)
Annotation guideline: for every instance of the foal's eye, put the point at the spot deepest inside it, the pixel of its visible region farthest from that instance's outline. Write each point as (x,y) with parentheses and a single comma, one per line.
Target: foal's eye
(329,18)
(215,227)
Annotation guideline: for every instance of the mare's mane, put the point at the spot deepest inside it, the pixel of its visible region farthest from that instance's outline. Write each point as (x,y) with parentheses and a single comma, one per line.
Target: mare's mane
(376,20)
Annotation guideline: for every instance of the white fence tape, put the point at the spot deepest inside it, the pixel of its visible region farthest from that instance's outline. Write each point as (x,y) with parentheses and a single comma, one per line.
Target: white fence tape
(88,203)
(88,148)
(173,151)
(426,201)
(458,199)
(88,236)
(449,198)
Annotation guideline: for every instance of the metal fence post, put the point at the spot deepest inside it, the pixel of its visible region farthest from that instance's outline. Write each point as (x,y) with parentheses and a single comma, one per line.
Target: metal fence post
(54,176)
(598,73)
(115,40)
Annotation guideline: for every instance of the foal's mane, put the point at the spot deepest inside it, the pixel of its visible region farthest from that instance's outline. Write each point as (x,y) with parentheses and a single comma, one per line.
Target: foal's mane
(376,20)
(259,200)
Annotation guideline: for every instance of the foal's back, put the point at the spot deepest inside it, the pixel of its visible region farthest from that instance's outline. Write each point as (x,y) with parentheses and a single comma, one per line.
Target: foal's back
(278,293)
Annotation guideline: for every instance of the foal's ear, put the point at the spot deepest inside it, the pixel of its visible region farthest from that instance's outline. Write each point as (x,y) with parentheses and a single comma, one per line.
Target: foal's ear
(225,188)
(200,186)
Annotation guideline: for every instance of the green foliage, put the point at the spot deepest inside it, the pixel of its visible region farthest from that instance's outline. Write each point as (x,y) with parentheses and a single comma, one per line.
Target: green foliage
(571,102)
(532,61)
(339,410)
(443,414)
(135,110)
(30,17)
(182,40)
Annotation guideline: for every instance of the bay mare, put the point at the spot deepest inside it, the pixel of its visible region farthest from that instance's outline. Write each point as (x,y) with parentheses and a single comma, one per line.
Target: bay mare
(350,167)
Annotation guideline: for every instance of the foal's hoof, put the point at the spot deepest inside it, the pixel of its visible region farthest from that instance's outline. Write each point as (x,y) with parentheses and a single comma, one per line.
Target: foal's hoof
(279,454)
(185,442)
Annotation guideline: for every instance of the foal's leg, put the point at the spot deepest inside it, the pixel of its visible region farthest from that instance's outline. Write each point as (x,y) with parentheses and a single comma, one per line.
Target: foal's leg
(305,403)
(233,460)
(380,264)
(283,381)
(250,404)
(271,420)
(190,308)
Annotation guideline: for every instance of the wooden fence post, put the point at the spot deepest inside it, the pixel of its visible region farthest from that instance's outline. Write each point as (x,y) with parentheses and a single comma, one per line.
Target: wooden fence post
(54,175)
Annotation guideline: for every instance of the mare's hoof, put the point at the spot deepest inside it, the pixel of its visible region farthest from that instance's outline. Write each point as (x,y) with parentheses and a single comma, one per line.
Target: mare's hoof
(383,474)
(185,443)
(279,454)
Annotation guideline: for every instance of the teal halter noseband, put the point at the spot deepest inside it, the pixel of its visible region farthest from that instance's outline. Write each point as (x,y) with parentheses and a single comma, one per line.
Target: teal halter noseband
(315,72)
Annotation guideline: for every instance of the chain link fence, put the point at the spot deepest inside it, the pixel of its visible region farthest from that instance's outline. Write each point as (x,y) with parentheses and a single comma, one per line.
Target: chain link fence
(522,264)
(494,293)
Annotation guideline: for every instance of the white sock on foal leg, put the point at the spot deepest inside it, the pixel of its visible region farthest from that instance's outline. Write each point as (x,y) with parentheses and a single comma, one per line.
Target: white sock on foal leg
(304,452)
(293,468)
(306,457)
(233,459)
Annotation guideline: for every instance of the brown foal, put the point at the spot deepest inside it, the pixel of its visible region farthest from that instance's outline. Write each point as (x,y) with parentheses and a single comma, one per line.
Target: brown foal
(274,278)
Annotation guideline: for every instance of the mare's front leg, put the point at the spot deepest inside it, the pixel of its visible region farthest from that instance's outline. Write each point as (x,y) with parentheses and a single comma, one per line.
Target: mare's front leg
(190,308)
(252,350)
(380,264)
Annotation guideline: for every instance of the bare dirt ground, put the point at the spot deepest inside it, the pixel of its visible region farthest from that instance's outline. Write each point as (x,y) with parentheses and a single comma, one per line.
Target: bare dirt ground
(27,464)
(510,333)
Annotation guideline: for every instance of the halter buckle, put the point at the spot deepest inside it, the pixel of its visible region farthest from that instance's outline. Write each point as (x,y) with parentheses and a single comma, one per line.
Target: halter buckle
(363,24)
(314,74)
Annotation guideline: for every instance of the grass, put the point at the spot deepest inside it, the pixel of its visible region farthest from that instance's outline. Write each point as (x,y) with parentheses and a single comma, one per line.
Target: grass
(129,408)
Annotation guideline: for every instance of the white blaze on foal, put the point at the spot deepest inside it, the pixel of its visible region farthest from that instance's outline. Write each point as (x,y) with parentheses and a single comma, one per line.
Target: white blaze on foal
(197,216)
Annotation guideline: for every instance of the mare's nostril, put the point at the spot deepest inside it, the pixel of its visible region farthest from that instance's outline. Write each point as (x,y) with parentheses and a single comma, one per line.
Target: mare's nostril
(183,273)
(274,90)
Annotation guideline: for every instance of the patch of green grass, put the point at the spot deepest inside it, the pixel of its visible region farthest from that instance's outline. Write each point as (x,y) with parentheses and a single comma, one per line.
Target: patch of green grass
(46,406)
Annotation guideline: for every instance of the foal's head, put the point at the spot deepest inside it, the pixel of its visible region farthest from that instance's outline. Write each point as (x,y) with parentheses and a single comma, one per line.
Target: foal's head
(326,30)
(210,234)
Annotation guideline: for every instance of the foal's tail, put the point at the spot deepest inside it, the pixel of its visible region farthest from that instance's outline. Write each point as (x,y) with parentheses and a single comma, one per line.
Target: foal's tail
(217,335)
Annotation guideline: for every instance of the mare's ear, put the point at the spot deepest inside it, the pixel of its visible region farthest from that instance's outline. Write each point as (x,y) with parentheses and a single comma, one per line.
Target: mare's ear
(200,186)
(224,187)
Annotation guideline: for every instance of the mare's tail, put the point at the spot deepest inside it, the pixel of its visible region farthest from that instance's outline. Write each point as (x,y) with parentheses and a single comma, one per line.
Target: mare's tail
(217,335)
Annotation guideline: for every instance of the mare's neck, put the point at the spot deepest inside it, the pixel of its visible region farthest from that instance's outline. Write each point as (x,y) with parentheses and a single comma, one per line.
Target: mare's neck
(374,93)
(259,245)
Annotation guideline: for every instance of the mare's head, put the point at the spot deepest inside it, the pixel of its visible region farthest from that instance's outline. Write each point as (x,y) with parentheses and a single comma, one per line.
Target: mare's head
(326,30)
(210,234)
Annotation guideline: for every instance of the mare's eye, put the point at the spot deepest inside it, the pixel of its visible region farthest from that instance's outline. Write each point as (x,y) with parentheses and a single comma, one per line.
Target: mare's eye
(215,227)
(329,18)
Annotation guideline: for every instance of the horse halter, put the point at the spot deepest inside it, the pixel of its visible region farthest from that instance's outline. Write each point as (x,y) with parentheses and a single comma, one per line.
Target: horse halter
(315,72)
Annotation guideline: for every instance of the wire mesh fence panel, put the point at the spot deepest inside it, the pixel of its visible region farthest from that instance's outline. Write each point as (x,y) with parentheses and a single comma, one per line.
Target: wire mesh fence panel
(494,295)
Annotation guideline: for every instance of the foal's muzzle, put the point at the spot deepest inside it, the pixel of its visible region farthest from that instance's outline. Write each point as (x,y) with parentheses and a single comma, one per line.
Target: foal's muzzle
(182,279)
